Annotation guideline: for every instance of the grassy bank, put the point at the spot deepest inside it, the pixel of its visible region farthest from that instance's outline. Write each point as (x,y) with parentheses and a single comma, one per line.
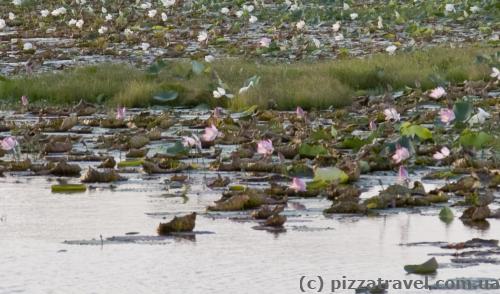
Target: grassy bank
(310,85)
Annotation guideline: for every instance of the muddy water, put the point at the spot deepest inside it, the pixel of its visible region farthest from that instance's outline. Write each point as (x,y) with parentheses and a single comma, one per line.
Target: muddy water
(51,243)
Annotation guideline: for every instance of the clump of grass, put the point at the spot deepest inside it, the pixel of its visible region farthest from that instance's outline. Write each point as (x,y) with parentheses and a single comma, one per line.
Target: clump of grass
(309,85)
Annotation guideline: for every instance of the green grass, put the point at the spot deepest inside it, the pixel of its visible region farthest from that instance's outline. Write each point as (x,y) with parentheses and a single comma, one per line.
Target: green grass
(311,85)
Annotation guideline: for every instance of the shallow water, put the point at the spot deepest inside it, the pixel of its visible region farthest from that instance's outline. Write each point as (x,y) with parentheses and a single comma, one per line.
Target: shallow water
(51,243)
(234,258)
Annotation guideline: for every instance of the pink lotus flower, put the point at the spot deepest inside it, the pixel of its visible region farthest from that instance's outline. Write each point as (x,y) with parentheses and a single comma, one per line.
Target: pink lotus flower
(24,100)
(265,147)
(300,112)
(8,143)
(372,126)
(265,42)
(437,93)
(120,113)
(191,142)
(447,115)
(402,173)
(391,114)
(298,185)
(401,154)
(211,133)
(442,154)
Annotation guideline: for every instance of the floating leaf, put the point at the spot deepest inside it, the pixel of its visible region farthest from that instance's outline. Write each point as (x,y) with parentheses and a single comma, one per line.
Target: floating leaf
(316,185)
(331,174)
(477,140)
(68,188)
(130,163)
(421,132)
(312,150)
(178,149)
(463,110)
(446,215)
(428,267)
(354,143)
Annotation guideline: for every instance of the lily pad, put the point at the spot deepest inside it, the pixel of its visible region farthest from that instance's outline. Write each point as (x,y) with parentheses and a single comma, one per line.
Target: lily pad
(446,215)
(312,150)
(330,174)
(463,110)
(69,188)
(428,267)
(473,139)
(421,132)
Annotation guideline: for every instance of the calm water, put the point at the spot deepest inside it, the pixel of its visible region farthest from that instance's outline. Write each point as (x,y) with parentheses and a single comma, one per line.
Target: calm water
(234,258)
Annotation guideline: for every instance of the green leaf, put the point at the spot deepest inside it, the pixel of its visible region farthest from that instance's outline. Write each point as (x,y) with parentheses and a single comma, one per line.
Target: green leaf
(330,174)
(477,140)
(321,134)
(69,188)
(333,132)
(446,215)
(410,130)
(463,110)
(178,149)
(312,150)
(316,185)
(197,67)
(166,96)
(354,143)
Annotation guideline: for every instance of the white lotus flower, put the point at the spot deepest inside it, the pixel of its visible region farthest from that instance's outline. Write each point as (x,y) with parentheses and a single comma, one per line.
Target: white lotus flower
(449,7)
(152,13)
(221,92)
(339,37)
(294,7)
(346,6)
(202,36)
(316,42)
(391,114)
(104,10)
(27,46)
(79,23)
(146,5)
(145,46)
(248,8)
(209,58)
(224,10)
(474,9)
(380,23)
(58,11)
(44,13)
(102,30)
(239,13)
(353,15)
(336,26)
(442,154)
(2,24)
(12,16)
(479,117)
(72,22)
(495,73)
(253,19)
(128,32)
(391,49)
(109,17)
(168,3)
(300,25)
(164,16)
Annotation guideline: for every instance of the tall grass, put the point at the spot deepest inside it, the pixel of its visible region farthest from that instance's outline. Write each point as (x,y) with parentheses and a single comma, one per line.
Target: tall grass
(284,86)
